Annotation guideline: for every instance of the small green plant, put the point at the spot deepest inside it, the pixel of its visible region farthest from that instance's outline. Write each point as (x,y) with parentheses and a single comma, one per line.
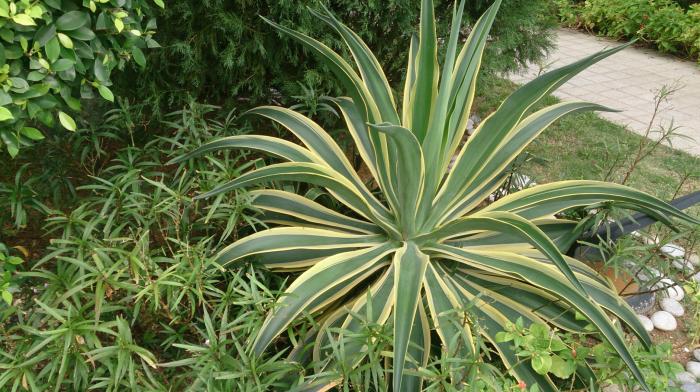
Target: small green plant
(543,347)
(692,289)
(655,362)
(8,268)
(122,284)
(562,352)
(418,239)
(53,53)
(19,198)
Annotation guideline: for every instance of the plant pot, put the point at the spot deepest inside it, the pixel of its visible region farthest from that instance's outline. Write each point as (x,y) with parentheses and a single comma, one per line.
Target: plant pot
(624,283)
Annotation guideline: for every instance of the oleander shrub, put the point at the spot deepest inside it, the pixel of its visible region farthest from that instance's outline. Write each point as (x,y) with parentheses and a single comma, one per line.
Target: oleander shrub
(411,240)
(219,50)
(660,23)
(55,53)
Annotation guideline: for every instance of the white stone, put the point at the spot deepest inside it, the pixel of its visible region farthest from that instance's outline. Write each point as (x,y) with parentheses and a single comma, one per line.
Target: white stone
(648,274)
(672,290)
(694,259)
(694,368)
(690,387)
(664,321)
(651,241)
(646,322)
(612,388)
(682,265)
(685,378)
(696,277)
(696,354)
(672,306)
(673,250)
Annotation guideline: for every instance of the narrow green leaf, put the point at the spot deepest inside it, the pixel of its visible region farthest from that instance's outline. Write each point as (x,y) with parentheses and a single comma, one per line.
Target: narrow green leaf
(275,146)
(291,238)
(523,267)
(426,66)
(409,168)
(409,268)
(314,283)
(302,208)
(512,224)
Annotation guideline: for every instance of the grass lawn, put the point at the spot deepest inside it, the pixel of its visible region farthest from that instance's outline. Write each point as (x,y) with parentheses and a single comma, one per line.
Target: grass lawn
(585,146)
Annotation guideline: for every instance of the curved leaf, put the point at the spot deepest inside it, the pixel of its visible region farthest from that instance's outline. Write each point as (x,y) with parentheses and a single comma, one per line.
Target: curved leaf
(534,273)
(302,208)
(314,283)
(271,145)
(311,173)
(291,238)
(409,268)
(511,224)
(549,199)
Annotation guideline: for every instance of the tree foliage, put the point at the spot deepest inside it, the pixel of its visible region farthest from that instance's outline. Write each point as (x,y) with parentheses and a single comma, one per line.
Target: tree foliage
(218,50)
(54,52)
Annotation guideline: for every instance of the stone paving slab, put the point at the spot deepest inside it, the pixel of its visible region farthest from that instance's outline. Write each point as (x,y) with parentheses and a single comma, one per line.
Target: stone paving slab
(628,81)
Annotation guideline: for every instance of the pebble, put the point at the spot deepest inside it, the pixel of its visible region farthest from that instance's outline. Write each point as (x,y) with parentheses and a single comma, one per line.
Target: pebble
(672,306)
(672,250)
(472,124)
(690,387)
(646,322)
(611,388)
(650,240)
(694,259)
(648,274)
(672,291)
(685,378)
(682,265)
(696,277)
(693,367)
(696,354)
(664,321)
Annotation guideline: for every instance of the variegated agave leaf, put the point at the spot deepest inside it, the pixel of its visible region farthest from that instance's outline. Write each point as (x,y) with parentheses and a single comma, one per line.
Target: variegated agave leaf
(425,247)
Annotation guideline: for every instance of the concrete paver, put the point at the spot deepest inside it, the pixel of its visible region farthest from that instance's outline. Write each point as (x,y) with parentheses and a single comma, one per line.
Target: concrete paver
(628,81)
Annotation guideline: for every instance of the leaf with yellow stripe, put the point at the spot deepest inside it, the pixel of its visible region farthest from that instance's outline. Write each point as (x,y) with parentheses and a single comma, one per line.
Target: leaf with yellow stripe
(414,242)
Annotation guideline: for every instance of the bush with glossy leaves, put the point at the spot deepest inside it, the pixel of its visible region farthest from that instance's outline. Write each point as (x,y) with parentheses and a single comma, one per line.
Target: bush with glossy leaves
(53,53)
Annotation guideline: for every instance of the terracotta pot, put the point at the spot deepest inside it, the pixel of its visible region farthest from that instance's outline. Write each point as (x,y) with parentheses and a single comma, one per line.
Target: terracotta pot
(621,279)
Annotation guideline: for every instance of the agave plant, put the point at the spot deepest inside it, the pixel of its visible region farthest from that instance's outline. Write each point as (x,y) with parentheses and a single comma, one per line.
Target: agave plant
(416,241)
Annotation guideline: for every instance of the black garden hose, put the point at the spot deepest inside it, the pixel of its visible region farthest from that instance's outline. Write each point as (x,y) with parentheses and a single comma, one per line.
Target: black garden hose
(636,222)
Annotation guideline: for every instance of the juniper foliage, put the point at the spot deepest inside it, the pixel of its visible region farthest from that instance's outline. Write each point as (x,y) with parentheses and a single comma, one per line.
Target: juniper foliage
(218,51)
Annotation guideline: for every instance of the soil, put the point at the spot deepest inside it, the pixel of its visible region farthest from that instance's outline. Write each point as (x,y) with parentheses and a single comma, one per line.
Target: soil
(682,344)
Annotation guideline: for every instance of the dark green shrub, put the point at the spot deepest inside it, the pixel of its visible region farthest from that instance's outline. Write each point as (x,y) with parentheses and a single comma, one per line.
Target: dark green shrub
(54,52)
(218,50)
(687,3)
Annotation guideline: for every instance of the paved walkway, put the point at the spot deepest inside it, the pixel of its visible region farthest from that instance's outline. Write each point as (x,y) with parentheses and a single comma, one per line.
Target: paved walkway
(628,81)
